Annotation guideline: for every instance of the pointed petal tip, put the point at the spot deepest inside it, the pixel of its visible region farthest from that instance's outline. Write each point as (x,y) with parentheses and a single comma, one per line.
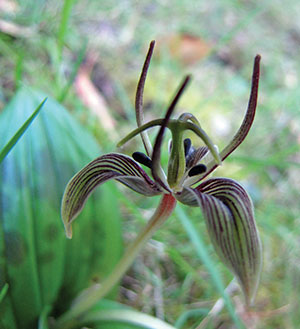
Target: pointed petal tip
(215,153)
(67,224)
(68,231)
(188,77)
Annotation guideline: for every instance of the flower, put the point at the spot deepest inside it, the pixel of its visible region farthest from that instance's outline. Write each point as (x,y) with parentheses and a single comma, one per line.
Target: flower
(226,206)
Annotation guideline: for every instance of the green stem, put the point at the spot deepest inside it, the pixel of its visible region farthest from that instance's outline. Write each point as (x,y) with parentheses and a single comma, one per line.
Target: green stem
(91,296)
(139,130)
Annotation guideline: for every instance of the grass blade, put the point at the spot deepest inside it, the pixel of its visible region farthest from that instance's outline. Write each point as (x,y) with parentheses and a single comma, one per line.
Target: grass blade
(8,147)
(3,292)
(43,319)
(131,318)
(66,12)
(74,72)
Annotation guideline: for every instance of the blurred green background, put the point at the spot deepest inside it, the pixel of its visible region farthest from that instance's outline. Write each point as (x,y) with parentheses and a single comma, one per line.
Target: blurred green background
(88,56)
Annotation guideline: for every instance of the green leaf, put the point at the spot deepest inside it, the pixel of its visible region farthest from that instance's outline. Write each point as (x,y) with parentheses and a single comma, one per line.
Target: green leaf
(8,147)
(194,313)
(132,319)
(36,259)
(63,26)
(43,318)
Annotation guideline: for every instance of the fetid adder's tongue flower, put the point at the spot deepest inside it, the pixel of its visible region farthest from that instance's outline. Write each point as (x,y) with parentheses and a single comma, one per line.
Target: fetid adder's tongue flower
(226,206)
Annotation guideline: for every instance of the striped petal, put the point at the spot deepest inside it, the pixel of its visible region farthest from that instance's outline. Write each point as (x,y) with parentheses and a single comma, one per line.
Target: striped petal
(106,167)
(188,197)
(229,216)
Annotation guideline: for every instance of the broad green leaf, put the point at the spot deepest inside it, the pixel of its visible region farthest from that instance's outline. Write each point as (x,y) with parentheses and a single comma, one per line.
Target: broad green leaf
(36,259)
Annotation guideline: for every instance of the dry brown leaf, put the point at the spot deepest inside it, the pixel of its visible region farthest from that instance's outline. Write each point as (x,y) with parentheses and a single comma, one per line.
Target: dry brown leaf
(15,30)
(93,99)
(187,48)
(253,319)
(8,6)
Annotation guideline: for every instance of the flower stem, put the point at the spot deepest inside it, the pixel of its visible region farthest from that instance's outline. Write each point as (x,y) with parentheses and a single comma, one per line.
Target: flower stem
(92,295)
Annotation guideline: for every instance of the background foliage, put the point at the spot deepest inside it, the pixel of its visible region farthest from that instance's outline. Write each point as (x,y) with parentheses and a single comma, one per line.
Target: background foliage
(88,55)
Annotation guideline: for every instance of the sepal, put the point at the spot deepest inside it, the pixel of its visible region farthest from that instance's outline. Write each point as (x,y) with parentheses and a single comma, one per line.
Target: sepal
(106,167)
(229,216)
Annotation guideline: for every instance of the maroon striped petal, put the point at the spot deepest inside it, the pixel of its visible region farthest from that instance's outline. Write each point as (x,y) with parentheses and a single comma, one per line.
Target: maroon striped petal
(229,216)
(97,172)
(188,197)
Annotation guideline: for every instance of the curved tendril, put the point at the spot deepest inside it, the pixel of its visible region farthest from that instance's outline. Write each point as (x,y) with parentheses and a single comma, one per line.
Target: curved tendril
(249,116)
(246,124)
(159,138)
(139,100)
(139,130)
(207,141)
(185,117)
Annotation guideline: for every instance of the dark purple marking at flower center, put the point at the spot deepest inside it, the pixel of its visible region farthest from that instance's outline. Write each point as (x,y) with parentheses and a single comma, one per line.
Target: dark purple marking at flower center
(197,170)
(142,159)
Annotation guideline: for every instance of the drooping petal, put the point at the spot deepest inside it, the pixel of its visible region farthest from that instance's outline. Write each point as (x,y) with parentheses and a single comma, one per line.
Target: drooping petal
(229,216)
(97,172)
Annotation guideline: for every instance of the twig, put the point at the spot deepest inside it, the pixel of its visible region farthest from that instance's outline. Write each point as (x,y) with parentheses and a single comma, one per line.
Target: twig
(217,308)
